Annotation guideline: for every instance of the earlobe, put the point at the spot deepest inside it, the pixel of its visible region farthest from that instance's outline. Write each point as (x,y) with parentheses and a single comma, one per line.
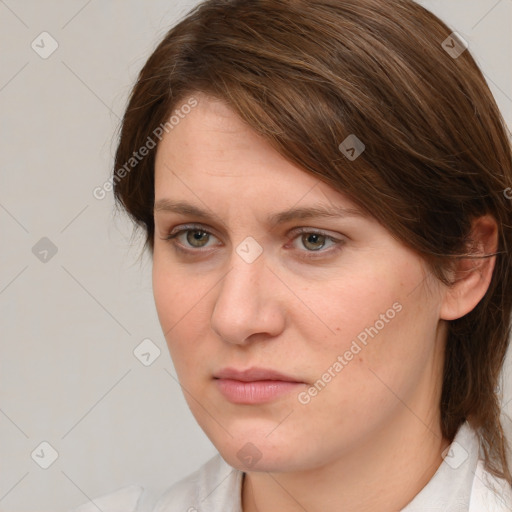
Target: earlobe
(472,275)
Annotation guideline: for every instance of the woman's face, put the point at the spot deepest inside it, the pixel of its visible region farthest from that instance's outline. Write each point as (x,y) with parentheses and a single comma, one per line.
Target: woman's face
(334,303)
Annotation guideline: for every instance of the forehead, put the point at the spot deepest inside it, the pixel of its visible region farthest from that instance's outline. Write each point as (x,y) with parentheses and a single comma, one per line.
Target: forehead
(211,143)
(212,134)
(213,165)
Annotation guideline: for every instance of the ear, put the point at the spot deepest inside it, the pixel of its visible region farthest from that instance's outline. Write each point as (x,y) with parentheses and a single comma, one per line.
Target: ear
(471,276)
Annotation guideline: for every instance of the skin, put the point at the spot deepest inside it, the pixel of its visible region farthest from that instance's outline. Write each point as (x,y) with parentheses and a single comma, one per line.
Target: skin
(371,438)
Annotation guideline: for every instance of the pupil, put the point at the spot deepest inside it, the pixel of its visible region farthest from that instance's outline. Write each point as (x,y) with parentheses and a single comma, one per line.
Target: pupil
(197,236)
(313,238)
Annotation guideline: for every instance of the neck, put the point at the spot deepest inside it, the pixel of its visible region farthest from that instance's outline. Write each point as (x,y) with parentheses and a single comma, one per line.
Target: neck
(383,475)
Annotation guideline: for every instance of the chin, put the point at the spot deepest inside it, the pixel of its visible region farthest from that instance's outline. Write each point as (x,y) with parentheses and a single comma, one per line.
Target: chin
(251,452)
(260,442)
(250,459)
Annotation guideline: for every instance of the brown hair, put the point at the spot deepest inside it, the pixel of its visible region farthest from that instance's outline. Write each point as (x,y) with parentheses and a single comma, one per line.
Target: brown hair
(306,74)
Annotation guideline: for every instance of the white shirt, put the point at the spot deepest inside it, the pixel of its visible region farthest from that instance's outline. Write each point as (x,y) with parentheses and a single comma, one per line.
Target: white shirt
(461,484)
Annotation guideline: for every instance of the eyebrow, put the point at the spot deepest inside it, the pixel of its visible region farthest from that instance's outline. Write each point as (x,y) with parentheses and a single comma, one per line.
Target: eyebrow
(319,210)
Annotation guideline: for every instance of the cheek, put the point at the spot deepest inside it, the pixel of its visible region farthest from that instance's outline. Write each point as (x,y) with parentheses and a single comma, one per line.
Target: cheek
(180,302)
(178,292)
(371,366)
(377,316)
(356,300)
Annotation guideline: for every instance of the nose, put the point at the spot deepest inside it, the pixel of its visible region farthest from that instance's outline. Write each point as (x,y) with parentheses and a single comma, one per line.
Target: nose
(247,306)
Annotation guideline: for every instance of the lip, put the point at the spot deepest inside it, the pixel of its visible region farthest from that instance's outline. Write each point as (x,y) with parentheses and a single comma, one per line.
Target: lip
(254,374)
(254,385)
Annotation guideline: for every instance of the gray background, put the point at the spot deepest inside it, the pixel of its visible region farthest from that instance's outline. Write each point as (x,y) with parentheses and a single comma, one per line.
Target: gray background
(70,321)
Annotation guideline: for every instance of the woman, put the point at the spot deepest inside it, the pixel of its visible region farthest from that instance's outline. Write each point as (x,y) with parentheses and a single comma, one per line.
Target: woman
(322,186)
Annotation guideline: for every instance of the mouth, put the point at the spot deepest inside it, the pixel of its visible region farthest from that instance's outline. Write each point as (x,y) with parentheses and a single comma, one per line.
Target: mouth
(255,385)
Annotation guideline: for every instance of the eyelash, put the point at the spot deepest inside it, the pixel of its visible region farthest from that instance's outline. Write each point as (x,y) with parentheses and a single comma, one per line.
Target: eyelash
(299,231)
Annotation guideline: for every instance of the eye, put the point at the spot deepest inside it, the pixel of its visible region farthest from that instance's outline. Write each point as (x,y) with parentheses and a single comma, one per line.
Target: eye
(195,236)
(315,241)
(191,239)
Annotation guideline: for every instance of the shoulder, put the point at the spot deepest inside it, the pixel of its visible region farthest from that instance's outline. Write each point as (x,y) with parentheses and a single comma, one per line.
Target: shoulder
(489,493)
(122,500)
(215,486)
